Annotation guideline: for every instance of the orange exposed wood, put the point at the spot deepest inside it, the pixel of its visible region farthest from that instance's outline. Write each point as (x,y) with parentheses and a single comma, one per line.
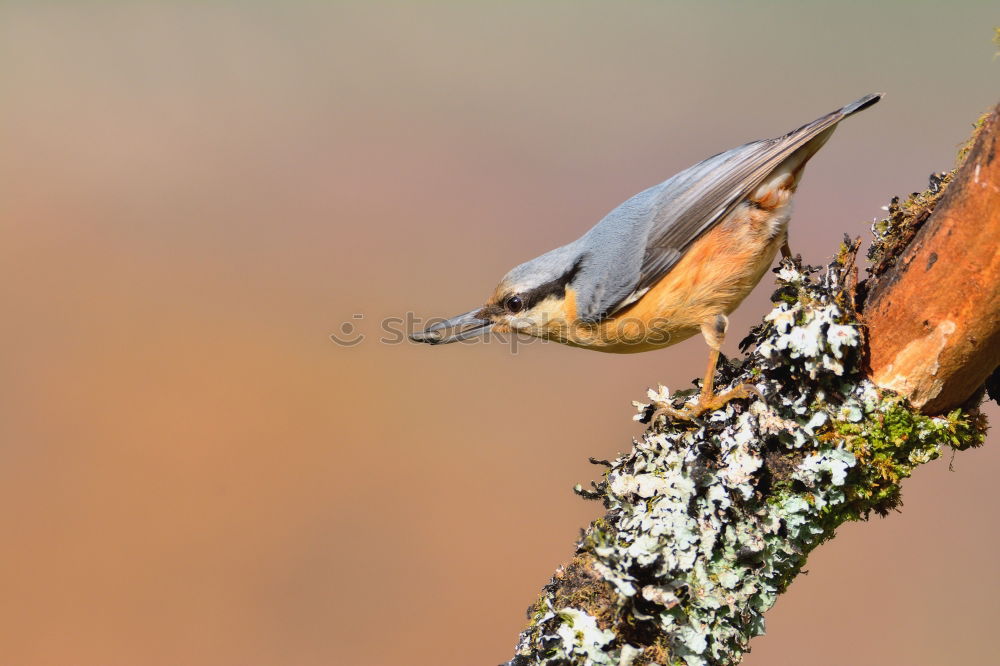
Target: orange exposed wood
(934,318)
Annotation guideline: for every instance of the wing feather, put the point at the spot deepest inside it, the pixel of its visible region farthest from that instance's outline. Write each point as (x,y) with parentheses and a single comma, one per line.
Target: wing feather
(695,200)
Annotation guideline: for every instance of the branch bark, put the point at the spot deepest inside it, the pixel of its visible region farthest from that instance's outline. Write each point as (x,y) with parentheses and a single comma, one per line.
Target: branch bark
(709,522)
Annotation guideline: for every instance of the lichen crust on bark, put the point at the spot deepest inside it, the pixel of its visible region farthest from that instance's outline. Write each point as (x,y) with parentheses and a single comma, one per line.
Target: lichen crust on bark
(709,521)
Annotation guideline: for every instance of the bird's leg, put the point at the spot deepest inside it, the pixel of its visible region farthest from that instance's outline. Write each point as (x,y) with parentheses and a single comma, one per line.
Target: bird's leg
(714,331)
(786,250)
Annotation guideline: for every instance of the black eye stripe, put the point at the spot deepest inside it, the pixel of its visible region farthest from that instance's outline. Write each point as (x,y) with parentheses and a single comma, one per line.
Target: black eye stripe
(556,287)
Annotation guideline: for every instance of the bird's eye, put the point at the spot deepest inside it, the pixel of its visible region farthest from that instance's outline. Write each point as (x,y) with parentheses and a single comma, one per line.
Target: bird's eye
(514,304)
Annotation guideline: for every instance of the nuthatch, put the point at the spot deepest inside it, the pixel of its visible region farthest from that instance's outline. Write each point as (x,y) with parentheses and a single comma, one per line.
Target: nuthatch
(671,261)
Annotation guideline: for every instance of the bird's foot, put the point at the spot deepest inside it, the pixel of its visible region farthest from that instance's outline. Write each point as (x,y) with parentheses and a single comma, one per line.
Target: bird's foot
(704,403)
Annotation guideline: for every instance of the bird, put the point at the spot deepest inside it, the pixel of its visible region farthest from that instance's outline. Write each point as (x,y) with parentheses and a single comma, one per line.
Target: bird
(672,261)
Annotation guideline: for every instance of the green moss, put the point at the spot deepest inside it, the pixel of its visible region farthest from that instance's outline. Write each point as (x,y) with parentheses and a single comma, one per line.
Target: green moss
(890,443)
(894,232)
(977,127)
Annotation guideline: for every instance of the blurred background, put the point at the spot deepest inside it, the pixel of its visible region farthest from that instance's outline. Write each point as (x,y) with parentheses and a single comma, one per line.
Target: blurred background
(196,195)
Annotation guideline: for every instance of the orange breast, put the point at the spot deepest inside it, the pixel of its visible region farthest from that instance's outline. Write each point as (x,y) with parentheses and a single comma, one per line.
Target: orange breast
(719,270)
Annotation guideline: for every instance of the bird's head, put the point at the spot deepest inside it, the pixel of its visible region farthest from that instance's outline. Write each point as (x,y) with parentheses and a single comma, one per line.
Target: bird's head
(536,298)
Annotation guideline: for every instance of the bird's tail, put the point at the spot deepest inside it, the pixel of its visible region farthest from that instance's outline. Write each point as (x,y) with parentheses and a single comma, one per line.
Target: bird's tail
(814,135)
(861,104)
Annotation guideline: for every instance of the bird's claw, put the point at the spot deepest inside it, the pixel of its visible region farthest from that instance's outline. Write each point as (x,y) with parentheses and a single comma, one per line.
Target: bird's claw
(704,403)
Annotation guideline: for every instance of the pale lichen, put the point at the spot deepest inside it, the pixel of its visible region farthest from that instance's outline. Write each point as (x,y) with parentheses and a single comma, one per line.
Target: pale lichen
(709,521)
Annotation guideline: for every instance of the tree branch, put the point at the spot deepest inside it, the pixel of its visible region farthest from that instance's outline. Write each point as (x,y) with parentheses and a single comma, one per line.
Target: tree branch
(708,522)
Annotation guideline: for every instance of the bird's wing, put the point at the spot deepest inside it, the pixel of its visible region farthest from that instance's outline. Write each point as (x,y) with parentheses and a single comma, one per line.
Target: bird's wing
(695,200)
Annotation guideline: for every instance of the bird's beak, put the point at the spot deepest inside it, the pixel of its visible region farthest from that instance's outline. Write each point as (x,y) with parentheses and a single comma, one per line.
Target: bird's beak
(463,327)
